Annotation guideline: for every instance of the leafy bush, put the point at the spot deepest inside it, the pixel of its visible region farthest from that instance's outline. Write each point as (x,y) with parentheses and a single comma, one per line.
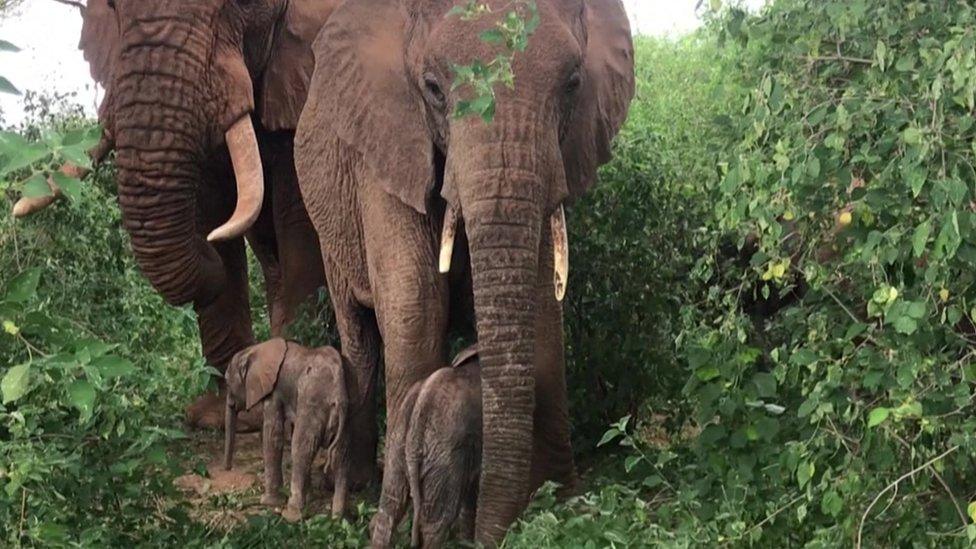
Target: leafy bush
(828,330)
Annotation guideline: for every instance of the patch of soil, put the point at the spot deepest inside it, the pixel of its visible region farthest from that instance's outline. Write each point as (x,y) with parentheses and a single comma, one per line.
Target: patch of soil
(222,499)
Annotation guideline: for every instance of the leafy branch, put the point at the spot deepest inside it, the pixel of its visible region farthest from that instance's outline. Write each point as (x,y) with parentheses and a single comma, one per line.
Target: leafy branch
(511,32)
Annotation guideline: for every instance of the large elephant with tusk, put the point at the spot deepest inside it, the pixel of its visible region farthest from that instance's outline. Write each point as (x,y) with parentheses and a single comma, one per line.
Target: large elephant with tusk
(202,99)
(399,188)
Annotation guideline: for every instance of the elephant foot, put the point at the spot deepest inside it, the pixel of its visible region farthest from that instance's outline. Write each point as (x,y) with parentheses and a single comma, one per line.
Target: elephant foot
(272,500)
(207,413)
(291,514)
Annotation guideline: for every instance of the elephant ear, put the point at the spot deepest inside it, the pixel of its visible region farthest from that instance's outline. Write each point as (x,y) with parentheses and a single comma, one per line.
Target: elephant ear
(100,42)
(608,87)
(362,91)
(289,67)
(263,365)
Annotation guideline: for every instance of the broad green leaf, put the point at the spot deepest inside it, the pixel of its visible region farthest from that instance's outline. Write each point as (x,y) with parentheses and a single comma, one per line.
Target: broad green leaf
(804,472)
(37,187)
(609,436)
(81,395)
(972,511)
(878,416)
(906,325)
(70,186)
(111,366)
(631,462)
(24,286)
(921,238)
(15,383)
(7,46)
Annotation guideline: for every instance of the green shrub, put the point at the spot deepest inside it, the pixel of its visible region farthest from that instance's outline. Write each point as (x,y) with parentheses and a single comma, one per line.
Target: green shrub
(828,335)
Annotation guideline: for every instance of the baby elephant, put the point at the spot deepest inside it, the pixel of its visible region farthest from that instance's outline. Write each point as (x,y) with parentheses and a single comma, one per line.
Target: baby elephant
(306,386)
(441,452)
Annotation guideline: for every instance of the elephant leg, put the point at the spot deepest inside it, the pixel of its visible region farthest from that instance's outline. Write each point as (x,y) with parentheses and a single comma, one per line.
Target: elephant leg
(225,329)
(273,444)
(411,303)
(360,342)
(552,448)
(298,250)
(395,496)
(305,440)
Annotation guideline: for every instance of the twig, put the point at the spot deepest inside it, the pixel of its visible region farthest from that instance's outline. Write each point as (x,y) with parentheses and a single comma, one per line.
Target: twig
(859,60)
(72,3)
(23,512)
(952,497)
(864,517)
(771,516)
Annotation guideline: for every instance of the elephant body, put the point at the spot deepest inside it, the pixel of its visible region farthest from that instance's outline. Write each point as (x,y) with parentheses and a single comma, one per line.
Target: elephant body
(382,164)
(307,387)
(438,457)
(201,105)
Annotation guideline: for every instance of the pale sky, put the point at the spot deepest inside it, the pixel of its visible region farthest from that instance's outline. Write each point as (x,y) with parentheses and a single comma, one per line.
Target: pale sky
(47,32)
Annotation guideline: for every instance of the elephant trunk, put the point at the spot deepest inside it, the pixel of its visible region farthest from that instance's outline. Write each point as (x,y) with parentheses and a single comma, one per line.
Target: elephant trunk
(501,194)
(169,114)
(504,258)
(158,156)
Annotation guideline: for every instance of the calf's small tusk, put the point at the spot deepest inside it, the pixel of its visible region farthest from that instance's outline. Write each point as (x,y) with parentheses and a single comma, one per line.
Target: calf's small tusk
(447,239)
(560,247)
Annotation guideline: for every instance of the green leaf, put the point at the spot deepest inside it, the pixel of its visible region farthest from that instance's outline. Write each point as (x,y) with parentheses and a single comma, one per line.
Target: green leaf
(972,510)
(37,187)
(631,462)
(24,286)
(70,186)
(804,472)
(7,46)
(492,36)
(111,366)
(81,395)
(7,87)
(878,416)
(831,504)
(15,383)
(921,238)
(609,436)
(906,325)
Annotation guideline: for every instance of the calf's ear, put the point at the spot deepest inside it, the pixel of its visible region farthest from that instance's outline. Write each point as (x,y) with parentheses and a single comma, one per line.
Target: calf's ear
(263,363)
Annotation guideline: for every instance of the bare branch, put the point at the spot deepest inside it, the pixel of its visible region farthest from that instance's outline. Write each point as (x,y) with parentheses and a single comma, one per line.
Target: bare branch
(73,3)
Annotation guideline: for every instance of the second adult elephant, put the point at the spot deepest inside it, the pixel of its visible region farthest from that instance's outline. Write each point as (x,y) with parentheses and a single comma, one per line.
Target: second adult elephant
(201,103)
(396,186)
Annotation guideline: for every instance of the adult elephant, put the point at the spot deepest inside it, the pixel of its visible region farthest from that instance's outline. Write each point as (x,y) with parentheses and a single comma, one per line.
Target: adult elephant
(385,169)
(201,103)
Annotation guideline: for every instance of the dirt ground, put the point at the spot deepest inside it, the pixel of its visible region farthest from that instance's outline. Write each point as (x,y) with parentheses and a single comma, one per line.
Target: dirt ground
(222,499)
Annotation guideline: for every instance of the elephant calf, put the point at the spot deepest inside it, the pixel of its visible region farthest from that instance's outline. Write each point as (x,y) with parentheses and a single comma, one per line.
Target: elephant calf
(306,386)
(441,456)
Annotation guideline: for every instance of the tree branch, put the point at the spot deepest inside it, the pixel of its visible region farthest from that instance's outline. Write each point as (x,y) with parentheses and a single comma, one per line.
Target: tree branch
(73,3)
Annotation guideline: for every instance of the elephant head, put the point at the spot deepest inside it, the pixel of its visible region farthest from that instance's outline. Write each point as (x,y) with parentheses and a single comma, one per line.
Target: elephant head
(186,81)
(383,78)
(251,376)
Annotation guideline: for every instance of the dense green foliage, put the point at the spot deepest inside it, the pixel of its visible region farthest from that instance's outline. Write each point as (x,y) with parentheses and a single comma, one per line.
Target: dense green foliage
(771,307)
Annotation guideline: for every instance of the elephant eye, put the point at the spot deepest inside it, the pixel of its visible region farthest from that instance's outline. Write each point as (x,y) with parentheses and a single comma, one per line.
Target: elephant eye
(574,82)
(434,91)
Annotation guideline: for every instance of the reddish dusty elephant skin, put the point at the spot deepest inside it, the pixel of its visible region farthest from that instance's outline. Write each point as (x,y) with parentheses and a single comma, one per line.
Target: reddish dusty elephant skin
(438,458)
(306,387)
(202,99)
(380,159)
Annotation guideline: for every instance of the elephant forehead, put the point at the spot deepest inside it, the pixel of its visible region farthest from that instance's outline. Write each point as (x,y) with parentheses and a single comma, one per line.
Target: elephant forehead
(550,48)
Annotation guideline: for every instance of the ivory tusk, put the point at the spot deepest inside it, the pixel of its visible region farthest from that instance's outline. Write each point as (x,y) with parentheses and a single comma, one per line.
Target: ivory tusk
(249,173)
(560,252)
(447,239)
